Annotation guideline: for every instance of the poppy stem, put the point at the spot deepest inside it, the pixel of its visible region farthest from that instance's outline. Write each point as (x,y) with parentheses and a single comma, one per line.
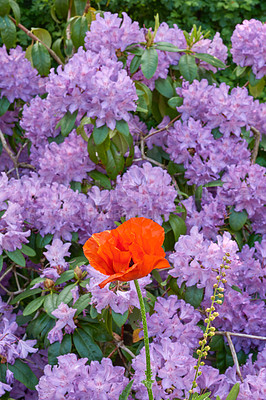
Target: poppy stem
(148,381)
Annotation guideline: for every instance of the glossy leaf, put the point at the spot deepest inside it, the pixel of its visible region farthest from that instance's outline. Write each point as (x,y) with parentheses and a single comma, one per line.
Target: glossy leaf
(33,306)
(86,346)
(56,47)
(41,58)
(237,219)
(100,134)
(82,303)
(28,250)
(57,349)
(1,262)
(42,241)
(178,226)
(8,31)
(164,86)
(61,7)
(66,276)
(24,295)
(165,46)
(115,161)
(175,102)
(126,392)
(120,319)
(50,304)
(135,64)
(43,35)
(16,10)
(78,31)
(67,123)
(23,374)
(149,62)
(101,179)
(65,296)
(214,61)
(233,392)
(4,105)
(17,257)
(187,67)
(194,296)
(4,7)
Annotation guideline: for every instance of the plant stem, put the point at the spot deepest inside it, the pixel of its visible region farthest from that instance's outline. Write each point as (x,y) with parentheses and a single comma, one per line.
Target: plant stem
(148,382)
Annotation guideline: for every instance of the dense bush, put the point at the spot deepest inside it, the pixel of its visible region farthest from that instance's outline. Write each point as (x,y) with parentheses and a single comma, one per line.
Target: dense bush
(134,122)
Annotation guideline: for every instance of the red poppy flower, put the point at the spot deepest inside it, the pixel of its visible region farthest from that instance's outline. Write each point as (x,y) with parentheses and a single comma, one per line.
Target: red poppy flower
(128,252)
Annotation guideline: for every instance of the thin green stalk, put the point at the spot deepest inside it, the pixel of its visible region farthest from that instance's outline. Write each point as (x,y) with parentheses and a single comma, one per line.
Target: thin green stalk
(148,381)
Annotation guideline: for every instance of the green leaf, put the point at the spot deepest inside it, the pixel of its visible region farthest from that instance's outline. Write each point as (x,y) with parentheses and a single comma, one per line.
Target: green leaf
(4,7)
(78,261)
(136,50)
(135,63)
(65,296)
(122,127)
(237,219)
(233,392)
(8,31)
(56,47)
(101,179)
(82,303)
(33,306)
(41,58)
(240,71)
(257,89)
(210,59)
(165,46)
(23,374)
(187,67)
(50,304)
(178,226)
(24,295)
(61,7)
(17,257)
(149,62)
(80,129)
(80,6)
(92,150)
(165,87)
(216,183)
(120,319)
(78,31)
(1,262)
(42,241)
(204,396)
(101,150)
(86,346)
(67,123)
(115,161)
(175,102)
(43,35)
(194,296)
(57,349)
(126,392)
(120,141)
(100,134)
(65,276)
(28,250)
(4,105)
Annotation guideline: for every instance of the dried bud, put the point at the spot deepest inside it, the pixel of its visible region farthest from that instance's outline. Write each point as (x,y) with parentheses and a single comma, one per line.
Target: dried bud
(48,283)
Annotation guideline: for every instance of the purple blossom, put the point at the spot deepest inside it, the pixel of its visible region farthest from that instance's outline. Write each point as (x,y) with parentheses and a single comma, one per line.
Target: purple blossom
(18,80)
(248,46)
(214,47)
(56,253)
(65,317)
(72,379)
(145,192)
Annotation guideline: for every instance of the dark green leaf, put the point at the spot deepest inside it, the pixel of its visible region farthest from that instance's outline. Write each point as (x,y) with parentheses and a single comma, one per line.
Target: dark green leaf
(43,35)
(82,303)
(4,105)
(237,219)
(17,257)
(233,392)
(78,31)
(126,392)
(92,150)
(100,134)
(210,59)
(86,346)
(41,58)
(8,31)
(65,296)
(165,46)
(149,62)
(194,296)
(66,276)
(56,47)
(61,7)
(165,87)
(78,261)
(67,123)
(121,142)
(101,179)
(122,127)
(28,250)
(120,319)
(178,226)
(187,67)
(1,262)
(175,102)
(33,306)
(50,304)
(115,161)
(24,295)
(23,374)
(136,50)
(4,7)
(135,63)
(57,349)
(80,6)
(42,241)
